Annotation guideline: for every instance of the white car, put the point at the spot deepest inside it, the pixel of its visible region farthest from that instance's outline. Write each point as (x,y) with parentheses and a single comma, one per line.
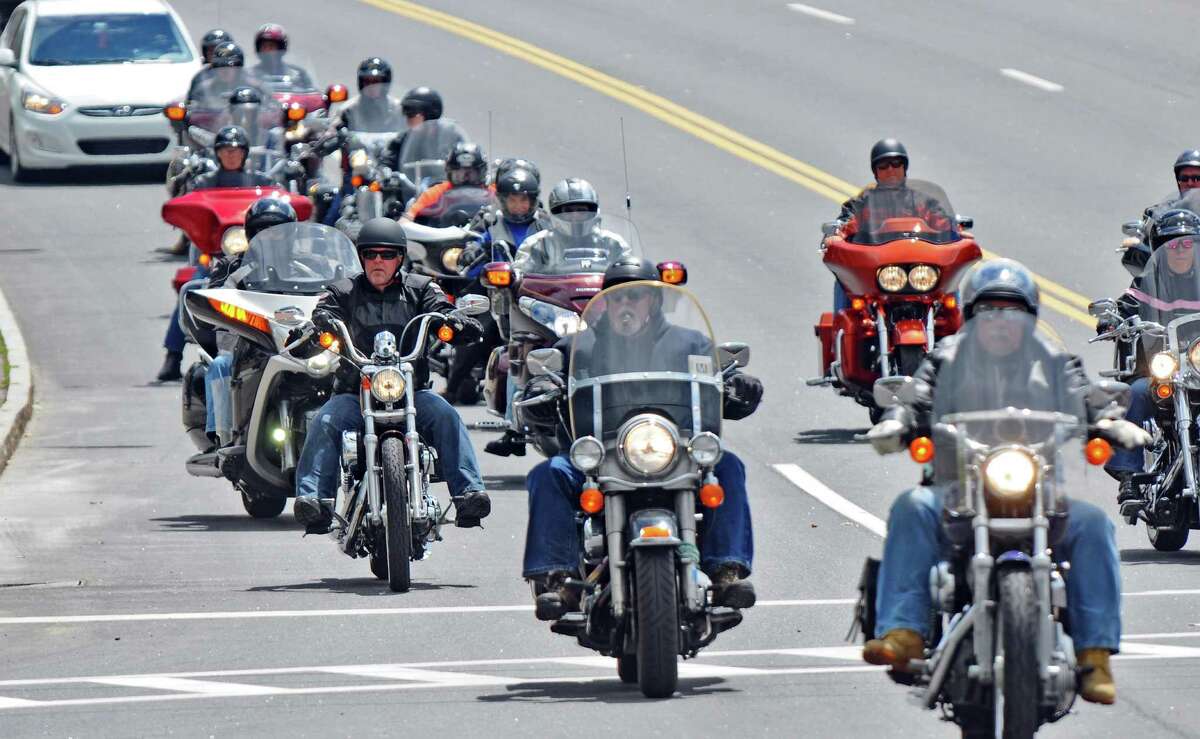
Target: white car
(85,82)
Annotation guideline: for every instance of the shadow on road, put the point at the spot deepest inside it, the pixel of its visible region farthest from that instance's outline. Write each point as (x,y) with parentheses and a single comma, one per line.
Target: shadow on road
(1153,556)
(504,482)
(234,522)
(369,586)
(89,176)
(829,436)
(551,691)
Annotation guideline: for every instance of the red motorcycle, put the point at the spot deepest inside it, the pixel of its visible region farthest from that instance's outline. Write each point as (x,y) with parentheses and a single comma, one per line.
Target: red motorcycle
(899,260)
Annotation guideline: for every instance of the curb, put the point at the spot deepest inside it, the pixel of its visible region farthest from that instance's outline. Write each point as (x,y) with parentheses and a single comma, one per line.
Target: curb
(17,409)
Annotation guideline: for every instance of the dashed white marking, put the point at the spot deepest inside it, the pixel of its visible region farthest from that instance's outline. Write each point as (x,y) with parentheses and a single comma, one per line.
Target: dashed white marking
(1142,593)
(817,489)
(1136,650)
(1164,635)
(824,15)
(183,685)
(18,703)
(396,672)
(1032,80)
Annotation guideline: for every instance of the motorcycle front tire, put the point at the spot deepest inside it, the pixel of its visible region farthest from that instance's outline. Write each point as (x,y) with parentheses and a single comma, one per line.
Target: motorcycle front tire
(398,528)
(657,614)
(1018,633)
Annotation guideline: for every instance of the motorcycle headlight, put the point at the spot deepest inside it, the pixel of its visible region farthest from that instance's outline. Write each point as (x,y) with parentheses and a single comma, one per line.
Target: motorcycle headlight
(387,385)
(1163,366)
(1194,355)
(705,449)
(1009,477)
(561,321)
(648,446)
(587,453)
(450,258)
(36,102)
(234,242)
(892,278)
(358,159)
(923,277)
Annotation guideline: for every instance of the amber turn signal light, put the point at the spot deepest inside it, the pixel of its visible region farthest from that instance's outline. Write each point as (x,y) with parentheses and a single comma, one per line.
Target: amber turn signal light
(336,94)
(1164,391)
(712,495)
(591,501)
(205,260)
(326,340)
(858,304)
(175,113)
(445,333)
(654,532)
(357,180)
(672,273)
(950,302)
(296,112)
(1098,451)
(498,274)
(921,449)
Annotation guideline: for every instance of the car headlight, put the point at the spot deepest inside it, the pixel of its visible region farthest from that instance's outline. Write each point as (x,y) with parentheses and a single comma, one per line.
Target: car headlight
(1163,366)
(358,159)
(234,242)
(36,102)
(387,385)
(705,449)
(587,453)
(1194,355)
(923,277)
(648,446)
(450,258)
(1009,476)
(561,321)
(892,278)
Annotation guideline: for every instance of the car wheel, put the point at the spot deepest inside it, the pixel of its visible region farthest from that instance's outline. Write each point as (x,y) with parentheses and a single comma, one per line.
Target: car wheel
(19,172)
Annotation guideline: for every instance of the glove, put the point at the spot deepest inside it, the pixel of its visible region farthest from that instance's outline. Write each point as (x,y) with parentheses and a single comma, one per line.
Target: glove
(887,436)
(323,320)
(470,255)
(742,396)
(466,329)
(1104,325)
(1124,433)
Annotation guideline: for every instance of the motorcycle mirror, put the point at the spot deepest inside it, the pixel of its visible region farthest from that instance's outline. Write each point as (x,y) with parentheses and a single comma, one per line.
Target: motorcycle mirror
(1099,308)
(1132,228)
(736,353)
(964,221)
(1109,394)
(912,390)
(887,390)
(8,58)
(473,305)
(544,362)
(831,228)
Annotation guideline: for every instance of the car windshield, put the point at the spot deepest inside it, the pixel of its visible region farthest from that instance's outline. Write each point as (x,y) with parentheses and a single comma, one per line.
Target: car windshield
(60,40)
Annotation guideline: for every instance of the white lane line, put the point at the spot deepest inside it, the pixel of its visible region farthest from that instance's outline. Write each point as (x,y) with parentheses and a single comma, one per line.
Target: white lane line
(1164,635)
(1157,651)
(817,489)
(396,672)
(206,687)
(17,703)
(1032,80)
(1160,592)
(824,15)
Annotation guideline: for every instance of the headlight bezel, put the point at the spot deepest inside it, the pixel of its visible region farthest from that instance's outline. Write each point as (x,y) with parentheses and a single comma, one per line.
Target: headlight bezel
(380,381)
(662,429)
(1193,355)
(702,450)
(923,282)
(1163,366)
(1010,477)
(234,241)
(891,278)
(42,103)
(583,446)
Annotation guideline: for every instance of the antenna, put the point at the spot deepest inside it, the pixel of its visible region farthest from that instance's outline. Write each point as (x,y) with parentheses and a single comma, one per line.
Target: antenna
(625,162)
(493,151)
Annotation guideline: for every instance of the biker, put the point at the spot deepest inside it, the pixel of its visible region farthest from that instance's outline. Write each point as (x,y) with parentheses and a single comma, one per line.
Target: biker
(995,293)
(232,148)
(373,109)
(210,41)
(1187,177)
(386,298)
(270,44)
(419,105)
(466,166)
(226,72)
(726,537)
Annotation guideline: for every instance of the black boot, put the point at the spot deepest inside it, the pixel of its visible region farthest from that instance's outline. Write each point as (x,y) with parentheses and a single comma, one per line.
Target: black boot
(730,589)
(1127,490)
(557,599)
(178,249)
(511,444)
(470,508)
(316,516)
(171,369)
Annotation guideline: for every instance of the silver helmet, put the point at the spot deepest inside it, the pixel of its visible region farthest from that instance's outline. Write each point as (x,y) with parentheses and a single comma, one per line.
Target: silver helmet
(999,279)
(574,207)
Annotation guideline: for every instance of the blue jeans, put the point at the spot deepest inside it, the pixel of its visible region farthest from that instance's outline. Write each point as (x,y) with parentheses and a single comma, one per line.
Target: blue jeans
(552,541)
(218,395)
(840,301)
(915,542)
(1140,410)
(439,425)
(175,338)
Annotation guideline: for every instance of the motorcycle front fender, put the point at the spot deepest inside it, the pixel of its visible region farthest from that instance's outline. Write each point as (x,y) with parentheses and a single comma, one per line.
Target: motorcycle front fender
(653,527)
(910,332)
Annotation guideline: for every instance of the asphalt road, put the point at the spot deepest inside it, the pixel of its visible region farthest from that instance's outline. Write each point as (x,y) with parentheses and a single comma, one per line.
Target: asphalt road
(139,601)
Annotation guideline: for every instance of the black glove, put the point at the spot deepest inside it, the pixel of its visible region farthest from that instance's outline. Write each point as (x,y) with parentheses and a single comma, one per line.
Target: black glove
(466,329)
(1104,325)
(323,320)
(470,254)
(743,393)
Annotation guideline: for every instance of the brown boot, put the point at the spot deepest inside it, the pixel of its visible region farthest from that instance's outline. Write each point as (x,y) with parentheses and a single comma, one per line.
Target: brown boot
(895,649)
(1097,684)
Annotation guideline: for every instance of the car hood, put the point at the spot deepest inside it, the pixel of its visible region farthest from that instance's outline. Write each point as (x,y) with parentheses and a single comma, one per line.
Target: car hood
(113,84)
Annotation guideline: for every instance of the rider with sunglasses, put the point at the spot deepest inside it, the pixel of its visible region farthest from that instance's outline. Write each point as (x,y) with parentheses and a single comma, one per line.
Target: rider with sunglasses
(385,298)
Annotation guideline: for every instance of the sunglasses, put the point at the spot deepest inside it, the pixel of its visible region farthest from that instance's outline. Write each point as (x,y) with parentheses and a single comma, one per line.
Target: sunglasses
(889,163)
(385,254)
(631,294)
(1185,178)
(1180,244)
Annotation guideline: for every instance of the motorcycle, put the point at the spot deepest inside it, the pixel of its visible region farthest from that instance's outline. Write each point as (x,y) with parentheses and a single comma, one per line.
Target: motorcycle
(374,185)
(1002,661)
(900,274)
(645,425)
(279,381)
(385,509)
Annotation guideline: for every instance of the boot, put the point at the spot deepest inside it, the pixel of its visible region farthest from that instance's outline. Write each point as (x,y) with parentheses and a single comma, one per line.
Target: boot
(730,589)
(558,598)
(315,516)
(178,249)
(470,508)
(1096,685)
(171,368)
(1127,490)
(511,444)
(895,649)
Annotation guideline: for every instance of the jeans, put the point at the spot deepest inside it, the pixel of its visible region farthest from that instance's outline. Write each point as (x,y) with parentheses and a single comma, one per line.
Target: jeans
(1140,410)
(552,540)
(318,469)
(840,301)
(218,397)
(175,338)
(915,542)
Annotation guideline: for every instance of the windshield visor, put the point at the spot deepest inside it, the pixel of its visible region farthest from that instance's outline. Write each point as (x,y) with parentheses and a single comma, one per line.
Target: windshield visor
(913,210)
(423,155)
(553,252)
(302,258)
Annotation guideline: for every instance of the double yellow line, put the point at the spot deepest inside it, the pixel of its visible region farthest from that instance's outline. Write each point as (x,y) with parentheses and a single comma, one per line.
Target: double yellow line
(1055,296)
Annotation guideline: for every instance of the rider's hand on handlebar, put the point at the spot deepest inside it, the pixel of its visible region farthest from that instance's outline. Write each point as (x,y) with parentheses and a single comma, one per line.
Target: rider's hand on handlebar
(887,436)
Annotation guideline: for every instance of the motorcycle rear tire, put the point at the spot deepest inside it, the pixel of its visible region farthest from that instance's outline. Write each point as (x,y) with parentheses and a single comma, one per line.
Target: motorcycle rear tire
(657,614)
(627,668)
(1017,632)
(260,505)
(1167,540)
(398,529)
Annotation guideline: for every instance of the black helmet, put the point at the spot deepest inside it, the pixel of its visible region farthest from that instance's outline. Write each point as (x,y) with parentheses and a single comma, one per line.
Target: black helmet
(209,43)
(423,101)
(518,181)
(1189,158)
(227,54)
(382,232)
(231,137)
(245,95)
(373,71)
(887,149)
(629,269)
(271,32)
(466,160)
(267,212)
(505,165)
(1173,224)
(999,279)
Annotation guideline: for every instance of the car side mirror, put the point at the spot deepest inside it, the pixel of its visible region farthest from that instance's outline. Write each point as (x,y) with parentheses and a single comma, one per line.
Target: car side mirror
(736,353)
(965,221)
(1109,394)
(831,228)
(1133,229)
(8,58)
(887,390)
(1100,308)
(544,362)
(473,305)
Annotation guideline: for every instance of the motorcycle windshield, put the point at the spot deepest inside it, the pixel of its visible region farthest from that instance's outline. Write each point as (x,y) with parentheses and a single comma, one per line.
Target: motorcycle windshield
(423,154)
(563,249)
(301,258)
(281,72)
(644,347)
(1169,286)
(457,206)
(913,210)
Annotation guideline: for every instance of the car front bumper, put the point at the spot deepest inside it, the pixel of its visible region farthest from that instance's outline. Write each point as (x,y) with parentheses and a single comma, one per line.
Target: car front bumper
(74,138)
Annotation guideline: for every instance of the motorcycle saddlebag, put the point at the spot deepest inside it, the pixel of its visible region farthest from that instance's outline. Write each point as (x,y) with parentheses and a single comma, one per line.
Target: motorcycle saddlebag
(824,332)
